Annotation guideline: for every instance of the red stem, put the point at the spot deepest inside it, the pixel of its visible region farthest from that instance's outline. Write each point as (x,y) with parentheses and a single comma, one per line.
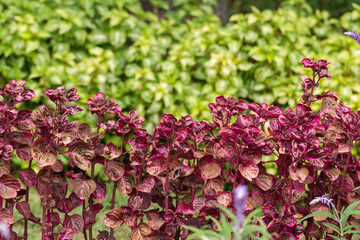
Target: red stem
(167,180)
(237,166)
(46,193)
(114,188)
(113,204)
(343,179)
(27,200)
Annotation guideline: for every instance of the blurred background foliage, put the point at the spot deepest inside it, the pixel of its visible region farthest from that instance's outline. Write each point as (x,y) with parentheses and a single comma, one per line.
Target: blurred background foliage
(176,56)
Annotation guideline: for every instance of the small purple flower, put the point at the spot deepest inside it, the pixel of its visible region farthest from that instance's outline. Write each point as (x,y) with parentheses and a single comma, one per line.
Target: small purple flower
(324,199)
(354,35)
(240,194)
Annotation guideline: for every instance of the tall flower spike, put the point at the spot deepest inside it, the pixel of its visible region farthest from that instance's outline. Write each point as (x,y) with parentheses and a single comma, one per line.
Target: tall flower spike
(240,194)
(324,199)
(354,35)
(4,230)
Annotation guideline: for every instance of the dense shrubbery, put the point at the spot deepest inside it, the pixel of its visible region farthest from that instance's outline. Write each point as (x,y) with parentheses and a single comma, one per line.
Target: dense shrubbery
(185,169)
(177,63)
(335,7)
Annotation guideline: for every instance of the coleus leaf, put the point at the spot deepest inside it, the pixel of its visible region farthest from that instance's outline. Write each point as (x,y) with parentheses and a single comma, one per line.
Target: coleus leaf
(264,181)
(59,190)
(319,207)
(146,185)
(75,222)
(114,218)
(111,151)
(249,204)
(4,167)
(348,184)
(24,209)
(211,170)
(185,209)
(46,159)
(84,131)
(24,120)
(24,152)
(224,198)
(332,173)
(54,218)
(140,232)
(249,170)
(291,193)
(79,153)
(83,188)
(216,184)
(125,185)
(22,138)
(156,165)
(298,174)
(100,191)
(57,166)
(9,186)
(66,137)
(6,216)
(135,202)
(199,202)
(225,149)
(40,117)
(114,169)
(38,147)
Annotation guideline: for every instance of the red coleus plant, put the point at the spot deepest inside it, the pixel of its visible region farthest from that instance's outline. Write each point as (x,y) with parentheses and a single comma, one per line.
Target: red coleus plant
(177,175)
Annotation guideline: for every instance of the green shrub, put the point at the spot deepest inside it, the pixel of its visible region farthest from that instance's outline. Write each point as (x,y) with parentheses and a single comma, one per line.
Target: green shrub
(175,61)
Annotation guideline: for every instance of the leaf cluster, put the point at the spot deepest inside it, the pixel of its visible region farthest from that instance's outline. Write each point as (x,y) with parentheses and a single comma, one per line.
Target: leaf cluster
(180,174)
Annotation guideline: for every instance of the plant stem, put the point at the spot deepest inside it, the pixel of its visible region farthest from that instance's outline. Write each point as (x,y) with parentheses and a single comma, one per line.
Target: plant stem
(237,166)
(343,179)
(46,193)
(91,201)
(113,204)
(27,200)
(83,214)
(167,179)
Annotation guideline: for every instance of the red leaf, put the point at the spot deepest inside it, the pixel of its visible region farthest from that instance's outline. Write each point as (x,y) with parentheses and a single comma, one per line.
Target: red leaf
(216,184)
(332,173)
(65,233)
(140,232)
(38,147)
(75,222)
(79,154)
(264,181)
(84,131)
(317,208)
(83,188)
(211,170)
(249,170)
(24,209)
(46,159)
(114,218)
(146,185)
(100,191)
(4,167)
(125,185)
(114,169)
(224,198)
(6,216)
(9,186)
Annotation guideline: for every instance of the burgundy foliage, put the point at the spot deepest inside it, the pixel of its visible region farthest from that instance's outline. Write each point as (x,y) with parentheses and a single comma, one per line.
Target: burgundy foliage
(185,168)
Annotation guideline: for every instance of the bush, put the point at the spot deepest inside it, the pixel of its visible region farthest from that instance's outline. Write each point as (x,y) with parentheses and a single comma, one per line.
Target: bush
(185,169)
(176,61)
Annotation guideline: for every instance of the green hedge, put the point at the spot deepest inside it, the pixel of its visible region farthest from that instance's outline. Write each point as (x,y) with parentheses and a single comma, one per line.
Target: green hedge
(175,61)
